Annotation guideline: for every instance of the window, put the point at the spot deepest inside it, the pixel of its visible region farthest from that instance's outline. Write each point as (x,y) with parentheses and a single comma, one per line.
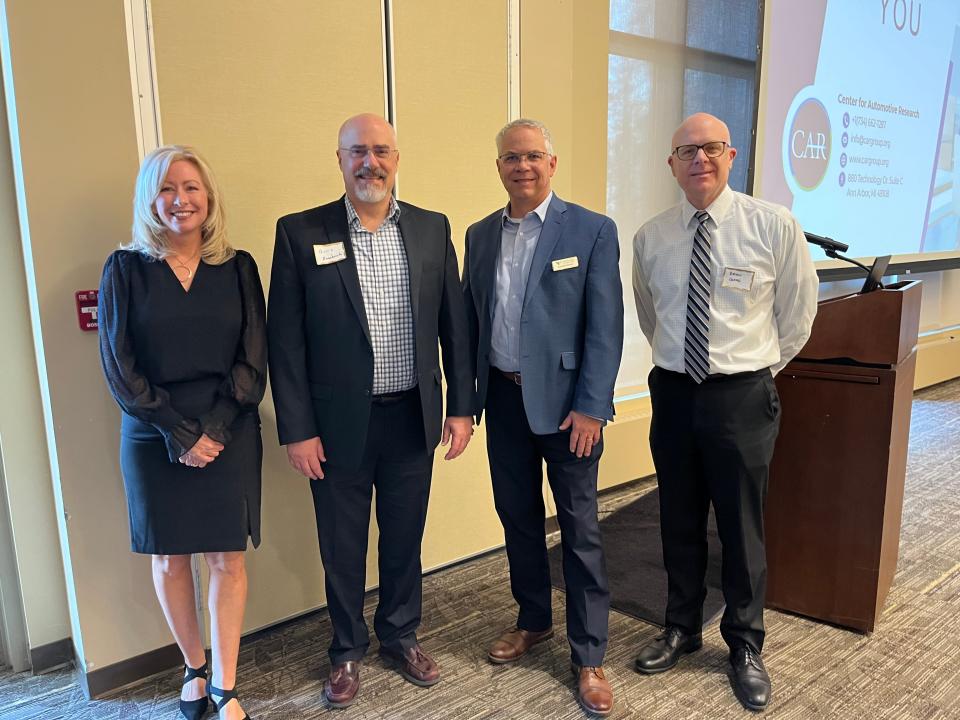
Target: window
(669,59)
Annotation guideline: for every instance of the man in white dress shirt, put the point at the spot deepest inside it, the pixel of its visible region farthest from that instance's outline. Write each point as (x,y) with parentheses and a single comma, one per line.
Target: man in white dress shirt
(726,293)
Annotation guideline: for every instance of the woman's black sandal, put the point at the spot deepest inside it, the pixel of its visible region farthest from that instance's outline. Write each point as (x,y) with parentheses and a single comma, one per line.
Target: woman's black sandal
(225,697)
(194,709)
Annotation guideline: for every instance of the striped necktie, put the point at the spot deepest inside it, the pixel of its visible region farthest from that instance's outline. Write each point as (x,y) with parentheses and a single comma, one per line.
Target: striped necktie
(696,343)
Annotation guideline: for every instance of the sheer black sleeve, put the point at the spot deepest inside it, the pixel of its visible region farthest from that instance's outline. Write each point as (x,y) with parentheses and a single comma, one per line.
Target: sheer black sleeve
(244,386)
(128,385)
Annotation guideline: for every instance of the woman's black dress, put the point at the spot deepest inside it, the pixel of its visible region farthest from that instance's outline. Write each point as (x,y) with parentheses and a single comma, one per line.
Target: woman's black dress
(181,363)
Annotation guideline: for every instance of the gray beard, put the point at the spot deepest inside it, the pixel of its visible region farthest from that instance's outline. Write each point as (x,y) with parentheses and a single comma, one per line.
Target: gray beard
(371,194)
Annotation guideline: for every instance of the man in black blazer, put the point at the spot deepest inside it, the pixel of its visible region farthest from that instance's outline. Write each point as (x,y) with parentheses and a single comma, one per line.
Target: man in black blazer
(360,292)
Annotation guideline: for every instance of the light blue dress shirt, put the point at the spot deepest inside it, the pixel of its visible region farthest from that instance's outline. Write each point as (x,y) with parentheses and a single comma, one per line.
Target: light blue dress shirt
(518,240)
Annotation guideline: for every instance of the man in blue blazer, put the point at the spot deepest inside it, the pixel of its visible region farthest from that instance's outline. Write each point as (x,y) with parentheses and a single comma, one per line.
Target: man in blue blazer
(542,290)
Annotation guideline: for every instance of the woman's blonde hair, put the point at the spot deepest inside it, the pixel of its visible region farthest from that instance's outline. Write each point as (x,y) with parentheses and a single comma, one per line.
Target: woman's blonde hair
(149,234)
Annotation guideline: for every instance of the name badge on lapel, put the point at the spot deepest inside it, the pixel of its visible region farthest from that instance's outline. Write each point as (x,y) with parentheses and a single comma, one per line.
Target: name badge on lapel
(329,253)
(738,279)
(565,264)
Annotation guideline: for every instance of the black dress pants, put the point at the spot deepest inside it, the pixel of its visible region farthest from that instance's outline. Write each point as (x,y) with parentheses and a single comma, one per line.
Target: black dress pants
(397,464)
(712,443)
(516,467)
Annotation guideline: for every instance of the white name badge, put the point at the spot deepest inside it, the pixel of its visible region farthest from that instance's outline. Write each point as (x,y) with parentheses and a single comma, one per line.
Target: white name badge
(565,263)
(737,279)
(329,253)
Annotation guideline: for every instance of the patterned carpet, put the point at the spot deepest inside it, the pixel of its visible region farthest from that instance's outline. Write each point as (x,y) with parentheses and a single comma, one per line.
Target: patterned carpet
(634,558)
(908,669)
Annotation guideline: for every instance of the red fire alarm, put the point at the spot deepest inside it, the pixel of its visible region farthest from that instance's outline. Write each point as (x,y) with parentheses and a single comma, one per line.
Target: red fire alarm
(87,309)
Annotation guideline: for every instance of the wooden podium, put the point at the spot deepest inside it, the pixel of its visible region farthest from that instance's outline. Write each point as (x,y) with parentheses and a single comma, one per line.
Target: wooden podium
(836,482)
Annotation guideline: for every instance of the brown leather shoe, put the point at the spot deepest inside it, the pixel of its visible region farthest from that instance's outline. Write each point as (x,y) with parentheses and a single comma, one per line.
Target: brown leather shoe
(593,690)
(514,644)
(415,665)
(341,687)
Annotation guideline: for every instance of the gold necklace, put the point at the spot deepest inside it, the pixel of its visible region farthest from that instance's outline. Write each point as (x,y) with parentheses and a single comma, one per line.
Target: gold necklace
(183,267)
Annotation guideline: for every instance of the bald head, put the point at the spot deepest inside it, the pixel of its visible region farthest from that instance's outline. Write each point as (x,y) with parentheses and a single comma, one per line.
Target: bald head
(701,124)
(364,122)
(368,155)
(702,178)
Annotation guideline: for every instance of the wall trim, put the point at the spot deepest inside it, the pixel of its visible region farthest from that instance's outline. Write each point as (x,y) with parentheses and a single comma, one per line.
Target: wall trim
(51,656)
(143,75)
(97,683)
(513,59)
(389,77)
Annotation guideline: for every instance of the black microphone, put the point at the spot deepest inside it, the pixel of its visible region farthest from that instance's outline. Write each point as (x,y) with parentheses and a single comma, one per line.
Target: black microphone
(826,243)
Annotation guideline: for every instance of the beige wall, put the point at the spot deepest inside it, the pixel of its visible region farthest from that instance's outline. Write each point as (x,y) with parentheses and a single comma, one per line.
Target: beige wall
(261,94)
(78,151)
(448,112)
(266,112)
(301,171)
(444,110)
(447,116)
(23,442)
(563,83)
(938,357)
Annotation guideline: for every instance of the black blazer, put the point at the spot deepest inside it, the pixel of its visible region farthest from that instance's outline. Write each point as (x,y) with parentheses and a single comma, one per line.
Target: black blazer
(321,369)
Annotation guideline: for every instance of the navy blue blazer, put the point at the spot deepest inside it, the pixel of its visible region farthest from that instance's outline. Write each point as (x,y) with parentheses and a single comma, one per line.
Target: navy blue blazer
(571,325)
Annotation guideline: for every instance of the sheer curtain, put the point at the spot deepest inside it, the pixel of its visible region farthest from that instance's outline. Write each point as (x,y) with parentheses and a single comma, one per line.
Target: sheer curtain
(668,59)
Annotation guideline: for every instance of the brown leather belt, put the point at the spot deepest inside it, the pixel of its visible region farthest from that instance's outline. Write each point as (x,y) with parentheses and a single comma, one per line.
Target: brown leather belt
(513,377)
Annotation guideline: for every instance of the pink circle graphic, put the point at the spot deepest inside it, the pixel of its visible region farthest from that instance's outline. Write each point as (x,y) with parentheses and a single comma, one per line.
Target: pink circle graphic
(809,144)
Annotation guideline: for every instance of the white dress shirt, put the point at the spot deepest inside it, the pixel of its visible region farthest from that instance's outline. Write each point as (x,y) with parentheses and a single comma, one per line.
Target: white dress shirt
(763,290)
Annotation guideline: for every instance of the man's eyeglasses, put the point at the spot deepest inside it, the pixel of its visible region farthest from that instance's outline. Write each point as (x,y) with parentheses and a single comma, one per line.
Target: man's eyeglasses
(358,152)
(533,157)
(689,152)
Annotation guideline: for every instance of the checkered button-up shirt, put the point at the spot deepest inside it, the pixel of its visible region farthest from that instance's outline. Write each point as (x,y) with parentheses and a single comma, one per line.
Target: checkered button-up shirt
(385,284)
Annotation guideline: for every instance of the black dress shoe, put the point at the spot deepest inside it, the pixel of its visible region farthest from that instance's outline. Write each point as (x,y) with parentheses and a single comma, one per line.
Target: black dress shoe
(751,684)
(665,650)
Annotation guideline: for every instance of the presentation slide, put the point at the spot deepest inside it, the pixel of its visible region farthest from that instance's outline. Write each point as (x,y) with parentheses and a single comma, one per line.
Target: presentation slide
(861,130)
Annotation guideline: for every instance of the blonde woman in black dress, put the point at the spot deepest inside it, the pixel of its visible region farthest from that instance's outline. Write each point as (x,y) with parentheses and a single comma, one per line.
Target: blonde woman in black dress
(183,345)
